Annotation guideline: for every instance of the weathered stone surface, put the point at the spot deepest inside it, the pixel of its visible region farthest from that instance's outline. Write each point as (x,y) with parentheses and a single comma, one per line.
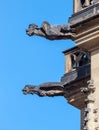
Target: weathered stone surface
(84,15)
(52,32)
(46,89)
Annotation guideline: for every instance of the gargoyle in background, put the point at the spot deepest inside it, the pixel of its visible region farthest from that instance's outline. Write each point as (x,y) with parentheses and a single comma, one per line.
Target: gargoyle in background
(52,32)
(46,89)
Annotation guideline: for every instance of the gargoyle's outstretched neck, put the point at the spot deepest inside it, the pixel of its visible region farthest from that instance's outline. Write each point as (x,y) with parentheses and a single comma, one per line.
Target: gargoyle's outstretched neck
(52,32)
(47,89)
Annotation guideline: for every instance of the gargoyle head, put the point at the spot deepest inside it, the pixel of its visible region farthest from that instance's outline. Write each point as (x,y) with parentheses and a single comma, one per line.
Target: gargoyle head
(29,89)
(31,29)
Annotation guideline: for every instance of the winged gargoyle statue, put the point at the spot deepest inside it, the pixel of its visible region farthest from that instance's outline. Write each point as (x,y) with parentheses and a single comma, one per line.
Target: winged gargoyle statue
(46,89)
(52,32)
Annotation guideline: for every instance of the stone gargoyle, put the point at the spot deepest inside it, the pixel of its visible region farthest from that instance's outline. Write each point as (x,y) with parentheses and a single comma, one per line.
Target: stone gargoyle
(46,89)
(52,32)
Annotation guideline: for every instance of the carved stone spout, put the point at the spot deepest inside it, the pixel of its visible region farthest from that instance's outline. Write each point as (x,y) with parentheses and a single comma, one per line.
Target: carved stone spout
(46,89)
(52,32)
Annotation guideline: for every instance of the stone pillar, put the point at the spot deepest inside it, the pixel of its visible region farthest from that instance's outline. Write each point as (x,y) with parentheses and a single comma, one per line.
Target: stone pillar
(95,78)
(68,65)
(77,6)
(90,114)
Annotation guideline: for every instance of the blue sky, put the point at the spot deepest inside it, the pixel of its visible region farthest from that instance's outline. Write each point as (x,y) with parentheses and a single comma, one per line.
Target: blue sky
(32,60)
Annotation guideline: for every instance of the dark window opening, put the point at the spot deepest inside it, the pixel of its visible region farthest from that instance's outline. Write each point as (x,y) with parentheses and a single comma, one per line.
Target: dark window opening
(82,3)
(84,60)
(79,59)
(85,3)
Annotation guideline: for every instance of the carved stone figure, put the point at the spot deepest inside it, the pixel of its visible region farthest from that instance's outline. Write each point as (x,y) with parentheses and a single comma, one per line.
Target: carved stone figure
(46,89)
(51,32)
